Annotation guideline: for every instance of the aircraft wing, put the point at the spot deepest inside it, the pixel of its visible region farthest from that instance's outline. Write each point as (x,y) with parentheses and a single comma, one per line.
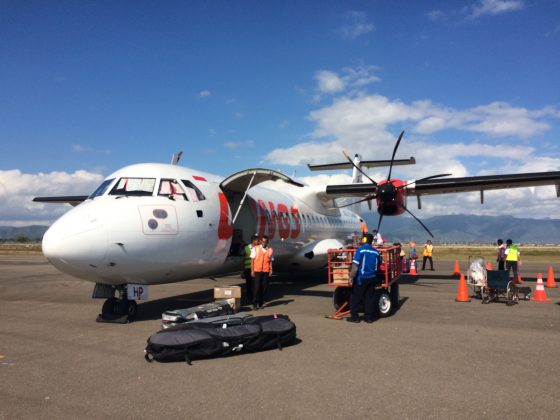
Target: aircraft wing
(482,183)
(74,200)
(455,185)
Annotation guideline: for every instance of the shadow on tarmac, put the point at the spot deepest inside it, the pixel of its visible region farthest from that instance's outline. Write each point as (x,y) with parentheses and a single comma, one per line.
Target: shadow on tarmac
(279,286)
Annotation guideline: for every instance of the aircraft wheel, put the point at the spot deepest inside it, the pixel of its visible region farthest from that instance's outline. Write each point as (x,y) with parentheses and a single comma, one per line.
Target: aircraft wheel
(340,295)
(132,310)
(383,304)
(108,307)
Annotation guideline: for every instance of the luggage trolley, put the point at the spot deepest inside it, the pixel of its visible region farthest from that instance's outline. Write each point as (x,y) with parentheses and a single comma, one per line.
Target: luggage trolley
(386,287)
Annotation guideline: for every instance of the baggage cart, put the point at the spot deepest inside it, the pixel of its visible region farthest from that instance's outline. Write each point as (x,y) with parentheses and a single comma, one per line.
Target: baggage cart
(386,287)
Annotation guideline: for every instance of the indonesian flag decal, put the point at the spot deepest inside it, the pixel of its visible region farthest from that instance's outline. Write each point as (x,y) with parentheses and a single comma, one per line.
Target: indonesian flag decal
(199,178)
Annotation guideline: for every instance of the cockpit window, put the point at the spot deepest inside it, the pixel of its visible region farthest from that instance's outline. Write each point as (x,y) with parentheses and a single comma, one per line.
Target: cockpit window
(102,188)
(193,193)
(134,186)
(172,189)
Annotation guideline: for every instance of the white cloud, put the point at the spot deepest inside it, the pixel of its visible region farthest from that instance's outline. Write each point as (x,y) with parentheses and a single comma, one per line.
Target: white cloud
(477,10)
(352,79)
(235,145)
(329,82)
(495,7)
(204,94)
(18,189)
(356,25)
(78,148)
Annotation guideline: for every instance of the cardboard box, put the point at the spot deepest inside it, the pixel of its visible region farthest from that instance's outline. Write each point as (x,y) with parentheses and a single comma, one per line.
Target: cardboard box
(340,276)
(227,292)
(235,304)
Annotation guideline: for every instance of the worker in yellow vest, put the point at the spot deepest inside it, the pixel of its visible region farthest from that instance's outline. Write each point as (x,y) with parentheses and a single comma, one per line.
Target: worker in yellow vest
(513,259)
(247,249)
(428,251)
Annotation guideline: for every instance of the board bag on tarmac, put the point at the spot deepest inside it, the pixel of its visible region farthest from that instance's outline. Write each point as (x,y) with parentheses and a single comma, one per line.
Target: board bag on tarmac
(198,340)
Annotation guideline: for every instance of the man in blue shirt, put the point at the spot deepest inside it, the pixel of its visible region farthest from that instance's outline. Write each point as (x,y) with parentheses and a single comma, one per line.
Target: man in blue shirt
(363,274)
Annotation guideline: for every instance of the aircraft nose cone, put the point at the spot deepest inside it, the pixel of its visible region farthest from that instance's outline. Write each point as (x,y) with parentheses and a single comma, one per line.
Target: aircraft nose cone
(75,243)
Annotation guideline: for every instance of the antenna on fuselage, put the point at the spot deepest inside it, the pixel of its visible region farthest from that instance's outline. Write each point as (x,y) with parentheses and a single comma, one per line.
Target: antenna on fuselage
(176,157)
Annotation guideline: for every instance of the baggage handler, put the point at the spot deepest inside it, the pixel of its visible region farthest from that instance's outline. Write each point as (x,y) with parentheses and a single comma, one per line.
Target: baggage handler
(247,267)
(261,269)
(512,260)
(363,276)
(428,251)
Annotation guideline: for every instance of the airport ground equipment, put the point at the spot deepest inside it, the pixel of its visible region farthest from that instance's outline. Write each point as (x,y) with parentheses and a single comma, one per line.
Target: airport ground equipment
(386,287)
(198,340)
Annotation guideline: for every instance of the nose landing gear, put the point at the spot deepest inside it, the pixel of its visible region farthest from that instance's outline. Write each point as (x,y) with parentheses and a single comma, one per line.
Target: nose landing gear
(119,310)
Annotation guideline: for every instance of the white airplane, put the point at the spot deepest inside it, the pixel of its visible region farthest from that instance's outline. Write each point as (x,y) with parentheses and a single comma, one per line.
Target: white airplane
(150,223)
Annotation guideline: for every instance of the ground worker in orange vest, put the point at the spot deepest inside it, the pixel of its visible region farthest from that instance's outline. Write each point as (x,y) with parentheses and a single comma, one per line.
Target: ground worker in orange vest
(428,251)
(261,269)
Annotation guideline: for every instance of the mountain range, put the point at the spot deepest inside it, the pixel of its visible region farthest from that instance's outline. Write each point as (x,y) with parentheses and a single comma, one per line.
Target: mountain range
(446,229)
(468,229)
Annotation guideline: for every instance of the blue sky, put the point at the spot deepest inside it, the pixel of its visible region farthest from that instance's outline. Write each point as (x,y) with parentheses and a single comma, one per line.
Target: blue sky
(88,87)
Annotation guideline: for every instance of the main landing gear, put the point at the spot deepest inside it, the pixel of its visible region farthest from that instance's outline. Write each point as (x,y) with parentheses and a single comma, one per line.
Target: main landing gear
(119,310)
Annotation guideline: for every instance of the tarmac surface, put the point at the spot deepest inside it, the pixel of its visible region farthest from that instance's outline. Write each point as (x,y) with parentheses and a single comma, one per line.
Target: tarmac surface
(434,358)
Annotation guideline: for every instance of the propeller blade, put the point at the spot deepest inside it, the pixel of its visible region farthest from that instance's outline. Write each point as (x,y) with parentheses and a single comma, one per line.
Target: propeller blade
(368,198)
(357,167)
(394,153)
(417,219)
(423,179)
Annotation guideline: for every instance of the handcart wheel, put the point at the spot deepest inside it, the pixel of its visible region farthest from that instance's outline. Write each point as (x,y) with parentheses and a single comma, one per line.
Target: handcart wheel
(384,304)
(340,295)
(510,296)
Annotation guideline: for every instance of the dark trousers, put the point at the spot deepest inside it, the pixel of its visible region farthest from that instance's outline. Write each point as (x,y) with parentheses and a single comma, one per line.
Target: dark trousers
(501,265)
(365,294)
(248,284)
(512,265)
(424,263)
(259,287)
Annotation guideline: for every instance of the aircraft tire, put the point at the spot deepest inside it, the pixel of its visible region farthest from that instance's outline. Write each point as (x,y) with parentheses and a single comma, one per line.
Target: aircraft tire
(132,310)
(108,307)
(383,303)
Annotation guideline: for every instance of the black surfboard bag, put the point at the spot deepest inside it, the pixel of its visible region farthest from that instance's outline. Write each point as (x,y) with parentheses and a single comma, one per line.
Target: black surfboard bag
(199,340)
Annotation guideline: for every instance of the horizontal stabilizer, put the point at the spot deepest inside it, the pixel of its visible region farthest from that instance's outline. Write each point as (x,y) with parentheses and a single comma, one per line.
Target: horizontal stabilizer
(363,163)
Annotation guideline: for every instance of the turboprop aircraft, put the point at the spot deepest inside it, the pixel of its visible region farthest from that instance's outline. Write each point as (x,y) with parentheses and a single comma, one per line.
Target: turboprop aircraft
(151,223)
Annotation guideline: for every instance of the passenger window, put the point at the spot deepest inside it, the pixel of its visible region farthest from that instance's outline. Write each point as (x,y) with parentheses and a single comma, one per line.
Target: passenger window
(172,189)
(134,186)
(193,193)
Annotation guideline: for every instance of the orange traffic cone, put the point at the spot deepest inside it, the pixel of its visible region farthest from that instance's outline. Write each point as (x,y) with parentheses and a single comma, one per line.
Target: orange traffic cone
(550,282)
(462,292)
(519,279)
(412,271)
(456,271)
(489,265)
(540,294)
